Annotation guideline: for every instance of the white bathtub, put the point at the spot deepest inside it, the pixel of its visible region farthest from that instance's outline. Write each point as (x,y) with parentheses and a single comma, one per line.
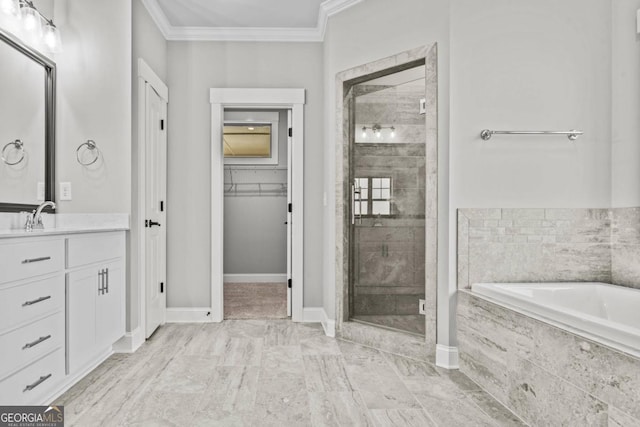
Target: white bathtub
(598,311)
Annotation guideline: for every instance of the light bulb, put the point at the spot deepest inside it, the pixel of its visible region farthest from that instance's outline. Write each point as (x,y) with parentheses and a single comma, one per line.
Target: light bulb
(9,7)
(51,38)
(378,134)
(31,21)
(393,132)
(364,132)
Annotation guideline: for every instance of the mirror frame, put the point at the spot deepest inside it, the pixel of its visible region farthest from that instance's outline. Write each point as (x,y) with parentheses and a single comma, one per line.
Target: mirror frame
(50,121)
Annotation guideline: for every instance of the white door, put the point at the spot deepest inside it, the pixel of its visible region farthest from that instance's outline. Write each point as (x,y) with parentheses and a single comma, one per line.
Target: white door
(155,215)
(289,216)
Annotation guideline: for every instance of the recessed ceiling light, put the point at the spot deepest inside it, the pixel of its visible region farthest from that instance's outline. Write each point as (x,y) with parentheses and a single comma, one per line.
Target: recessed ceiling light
(250,128)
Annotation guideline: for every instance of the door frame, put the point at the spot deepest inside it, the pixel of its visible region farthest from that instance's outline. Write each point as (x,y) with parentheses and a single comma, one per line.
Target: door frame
(265,98)
(138,261)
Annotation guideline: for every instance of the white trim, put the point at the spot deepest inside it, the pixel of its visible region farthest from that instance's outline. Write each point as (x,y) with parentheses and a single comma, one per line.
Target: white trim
(255,278)
(137,260)
(327,9)
(318,315)
(188,315)
(446,357)
(130,342)
(220,99)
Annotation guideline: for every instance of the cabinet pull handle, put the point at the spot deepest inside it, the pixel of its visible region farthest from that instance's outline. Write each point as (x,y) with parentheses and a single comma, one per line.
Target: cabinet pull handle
(36,342)
(100,282)
(35,301)
(37,383)
(29,261)
(107,285)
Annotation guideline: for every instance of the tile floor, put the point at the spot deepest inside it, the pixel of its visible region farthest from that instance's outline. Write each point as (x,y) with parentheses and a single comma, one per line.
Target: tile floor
(272,373)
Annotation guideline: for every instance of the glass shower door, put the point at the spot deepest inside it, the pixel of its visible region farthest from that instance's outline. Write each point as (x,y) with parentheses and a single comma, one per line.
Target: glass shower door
(387,175)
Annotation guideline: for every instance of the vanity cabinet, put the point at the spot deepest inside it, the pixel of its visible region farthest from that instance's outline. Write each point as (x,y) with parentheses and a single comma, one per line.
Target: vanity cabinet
(32,319)
(62,306)
(95,297)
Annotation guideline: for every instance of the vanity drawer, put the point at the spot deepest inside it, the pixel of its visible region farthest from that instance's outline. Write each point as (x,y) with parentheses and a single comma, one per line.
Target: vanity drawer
(33,384)
(19,304)
(31,342)
(92,248)
(31,258)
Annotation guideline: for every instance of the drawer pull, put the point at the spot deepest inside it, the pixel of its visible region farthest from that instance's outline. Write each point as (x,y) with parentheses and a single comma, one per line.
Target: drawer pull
(29,261)
(37,383)
(35,301)
(36,342)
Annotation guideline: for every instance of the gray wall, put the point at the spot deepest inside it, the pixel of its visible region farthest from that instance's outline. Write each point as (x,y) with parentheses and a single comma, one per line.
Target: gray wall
(625,105)
(94,102)
(194,68)
(255,234)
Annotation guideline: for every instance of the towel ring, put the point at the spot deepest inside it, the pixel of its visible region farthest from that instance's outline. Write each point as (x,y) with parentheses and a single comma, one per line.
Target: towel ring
(91,145)
(19,145)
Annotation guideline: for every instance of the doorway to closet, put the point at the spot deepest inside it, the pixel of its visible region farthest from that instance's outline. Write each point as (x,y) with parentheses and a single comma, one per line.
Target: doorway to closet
(292,101)
(256,227)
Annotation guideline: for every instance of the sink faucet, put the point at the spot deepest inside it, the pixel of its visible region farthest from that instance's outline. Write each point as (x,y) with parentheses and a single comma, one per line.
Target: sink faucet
(34,219)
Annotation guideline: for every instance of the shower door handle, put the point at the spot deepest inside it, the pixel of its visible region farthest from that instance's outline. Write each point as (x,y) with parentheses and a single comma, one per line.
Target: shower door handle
(353,204)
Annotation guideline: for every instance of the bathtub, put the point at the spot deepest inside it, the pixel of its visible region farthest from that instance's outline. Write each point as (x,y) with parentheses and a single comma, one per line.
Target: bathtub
(598,311)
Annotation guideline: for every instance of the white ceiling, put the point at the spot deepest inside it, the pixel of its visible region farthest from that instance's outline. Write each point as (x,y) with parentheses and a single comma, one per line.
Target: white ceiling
(245,20)
(242,13)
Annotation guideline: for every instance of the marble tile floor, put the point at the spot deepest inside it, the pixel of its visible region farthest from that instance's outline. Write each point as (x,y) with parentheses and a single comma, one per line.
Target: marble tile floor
(413,323)
(255,300)
(272,373)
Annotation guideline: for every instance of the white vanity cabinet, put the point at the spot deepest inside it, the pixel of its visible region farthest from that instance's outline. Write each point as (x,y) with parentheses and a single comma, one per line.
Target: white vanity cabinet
(32,318)
(62,307)
(95,296)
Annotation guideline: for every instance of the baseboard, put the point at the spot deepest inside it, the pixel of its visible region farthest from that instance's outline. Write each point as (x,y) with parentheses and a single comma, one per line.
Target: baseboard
(255,278)
(318,315)
(189,315)
(447,357)
(130,342)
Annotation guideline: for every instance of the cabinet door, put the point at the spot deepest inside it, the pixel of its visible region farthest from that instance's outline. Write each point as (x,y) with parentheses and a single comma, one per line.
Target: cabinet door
(82,291)
(110,305)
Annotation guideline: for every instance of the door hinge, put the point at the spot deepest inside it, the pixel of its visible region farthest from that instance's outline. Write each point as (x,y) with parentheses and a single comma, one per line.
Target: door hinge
(162,124)
(146,223)
(290,207)
(161,206)
(162,287)
(289,283)
(290,132)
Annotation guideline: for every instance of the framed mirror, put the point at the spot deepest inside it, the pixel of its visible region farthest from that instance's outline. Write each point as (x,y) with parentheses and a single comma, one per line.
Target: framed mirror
(27,126)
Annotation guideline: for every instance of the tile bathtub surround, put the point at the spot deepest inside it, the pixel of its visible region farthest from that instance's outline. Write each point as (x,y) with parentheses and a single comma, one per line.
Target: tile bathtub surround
(273,373)
(546,245)
(545,374)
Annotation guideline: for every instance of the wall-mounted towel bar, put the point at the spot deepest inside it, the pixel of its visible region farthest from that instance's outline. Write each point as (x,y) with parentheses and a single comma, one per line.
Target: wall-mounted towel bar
(571,134)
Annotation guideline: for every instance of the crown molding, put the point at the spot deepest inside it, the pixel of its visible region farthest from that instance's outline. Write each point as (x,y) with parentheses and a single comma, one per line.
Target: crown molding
(328,8)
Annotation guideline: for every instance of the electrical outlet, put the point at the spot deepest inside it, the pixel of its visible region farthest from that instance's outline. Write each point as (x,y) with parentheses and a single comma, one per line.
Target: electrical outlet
(40,192)
(65,191)
(423,106)
(423,307)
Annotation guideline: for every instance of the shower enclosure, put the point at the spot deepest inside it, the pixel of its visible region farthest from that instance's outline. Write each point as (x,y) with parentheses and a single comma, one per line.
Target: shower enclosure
(387,198)
(387,175)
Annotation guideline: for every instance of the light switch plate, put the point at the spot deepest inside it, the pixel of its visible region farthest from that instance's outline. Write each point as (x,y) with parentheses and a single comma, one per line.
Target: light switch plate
(65,191)
(40,192)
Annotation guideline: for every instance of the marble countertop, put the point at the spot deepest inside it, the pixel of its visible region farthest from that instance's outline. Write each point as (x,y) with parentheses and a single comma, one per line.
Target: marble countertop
(59,224)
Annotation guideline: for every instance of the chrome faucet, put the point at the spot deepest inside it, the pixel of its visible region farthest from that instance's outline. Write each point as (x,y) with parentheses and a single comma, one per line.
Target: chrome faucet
(34,219)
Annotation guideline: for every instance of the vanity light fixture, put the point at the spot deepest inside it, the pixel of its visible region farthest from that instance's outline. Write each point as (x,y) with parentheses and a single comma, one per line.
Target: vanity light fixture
(377,131)
(33,27)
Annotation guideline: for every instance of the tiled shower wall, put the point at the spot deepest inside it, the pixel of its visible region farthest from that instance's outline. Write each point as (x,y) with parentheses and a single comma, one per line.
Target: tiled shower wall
(544,245)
